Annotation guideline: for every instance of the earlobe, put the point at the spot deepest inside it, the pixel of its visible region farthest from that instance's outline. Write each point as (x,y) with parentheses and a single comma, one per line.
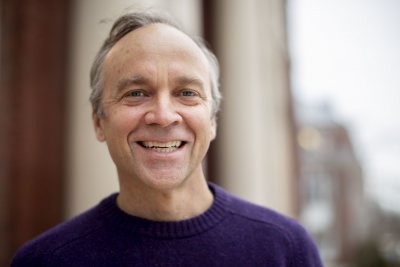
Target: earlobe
(98,127)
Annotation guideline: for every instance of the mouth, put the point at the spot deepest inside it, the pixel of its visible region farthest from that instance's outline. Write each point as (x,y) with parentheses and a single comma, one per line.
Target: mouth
(162,147)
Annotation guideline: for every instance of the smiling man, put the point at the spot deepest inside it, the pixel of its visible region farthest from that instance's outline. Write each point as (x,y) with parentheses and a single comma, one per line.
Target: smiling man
(156,117)
(155,97)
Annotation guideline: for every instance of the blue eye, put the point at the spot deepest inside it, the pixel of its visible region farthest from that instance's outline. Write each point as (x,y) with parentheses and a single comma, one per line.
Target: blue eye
(188,93)
(135,94)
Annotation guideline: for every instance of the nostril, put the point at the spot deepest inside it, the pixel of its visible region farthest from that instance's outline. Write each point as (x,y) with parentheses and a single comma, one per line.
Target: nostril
(163,117)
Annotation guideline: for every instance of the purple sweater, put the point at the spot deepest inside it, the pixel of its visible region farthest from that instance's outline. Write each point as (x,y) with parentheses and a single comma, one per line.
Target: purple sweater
(232,232)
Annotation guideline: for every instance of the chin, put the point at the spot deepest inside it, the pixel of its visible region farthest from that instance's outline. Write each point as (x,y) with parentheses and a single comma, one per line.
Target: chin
(165,182)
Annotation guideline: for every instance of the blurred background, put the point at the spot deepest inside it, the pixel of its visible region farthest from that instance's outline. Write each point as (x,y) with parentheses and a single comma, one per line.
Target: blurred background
(309,124)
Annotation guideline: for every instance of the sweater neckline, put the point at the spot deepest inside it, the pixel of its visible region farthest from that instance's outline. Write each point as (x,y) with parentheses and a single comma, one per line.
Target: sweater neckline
(158,229)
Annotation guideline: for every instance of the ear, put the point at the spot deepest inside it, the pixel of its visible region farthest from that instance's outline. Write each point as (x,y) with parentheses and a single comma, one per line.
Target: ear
(98,127)
(213,128)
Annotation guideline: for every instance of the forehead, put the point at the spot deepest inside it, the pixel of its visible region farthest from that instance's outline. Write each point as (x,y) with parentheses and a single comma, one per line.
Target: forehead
(149,46)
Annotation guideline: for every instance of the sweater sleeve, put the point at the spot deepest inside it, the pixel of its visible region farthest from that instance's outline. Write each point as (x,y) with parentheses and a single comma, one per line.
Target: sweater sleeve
(305,252)
(31,255)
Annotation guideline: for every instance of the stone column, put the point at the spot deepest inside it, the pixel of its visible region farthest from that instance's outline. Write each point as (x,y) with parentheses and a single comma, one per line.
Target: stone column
(254,147)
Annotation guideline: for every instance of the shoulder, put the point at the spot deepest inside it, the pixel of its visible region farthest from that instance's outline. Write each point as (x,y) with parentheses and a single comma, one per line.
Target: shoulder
(256,214)
(286,234)
(40,250)
(267,217)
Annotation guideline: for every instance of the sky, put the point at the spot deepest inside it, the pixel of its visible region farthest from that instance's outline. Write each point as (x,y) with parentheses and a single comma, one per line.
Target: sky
(347,53)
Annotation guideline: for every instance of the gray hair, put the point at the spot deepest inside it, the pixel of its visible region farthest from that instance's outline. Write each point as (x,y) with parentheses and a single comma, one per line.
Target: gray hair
(133,21)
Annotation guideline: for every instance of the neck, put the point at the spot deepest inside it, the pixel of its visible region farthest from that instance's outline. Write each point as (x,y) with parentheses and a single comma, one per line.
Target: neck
(189,200)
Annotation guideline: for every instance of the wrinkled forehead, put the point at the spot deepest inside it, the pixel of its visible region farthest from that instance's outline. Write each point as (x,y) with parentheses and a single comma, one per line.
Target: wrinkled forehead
(142,52)
(157,40)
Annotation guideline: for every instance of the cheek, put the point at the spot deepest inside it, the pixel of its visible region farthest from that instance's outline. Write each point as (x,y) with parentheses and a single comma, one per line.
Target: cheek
(203,127)
(123,121)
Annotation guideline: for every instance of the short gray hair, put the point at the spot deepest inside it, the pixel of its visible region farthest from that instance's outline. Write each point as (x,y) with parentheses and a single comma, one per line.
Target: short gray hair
(133,21)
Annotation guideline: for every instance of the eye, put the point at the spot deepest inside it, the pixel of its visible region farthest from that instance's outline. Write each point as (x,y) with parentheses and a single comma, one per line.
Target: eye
(135,93)
(188,93)
(134,97)
(190,97)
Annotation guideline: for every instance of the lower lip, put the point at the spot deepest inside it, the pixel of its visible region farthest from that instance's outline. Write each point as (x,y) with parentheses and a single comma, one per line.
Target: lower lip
(161,154)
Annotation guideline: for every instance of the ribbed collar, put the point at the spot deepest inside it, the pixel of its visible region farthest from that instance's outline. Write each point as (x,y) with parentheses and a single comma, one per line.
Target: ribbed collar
(217,212)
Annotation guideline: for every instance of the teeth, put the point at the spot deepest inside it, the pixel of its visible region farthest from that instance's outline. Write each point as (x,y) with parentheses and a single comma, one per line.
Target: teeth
(163,147)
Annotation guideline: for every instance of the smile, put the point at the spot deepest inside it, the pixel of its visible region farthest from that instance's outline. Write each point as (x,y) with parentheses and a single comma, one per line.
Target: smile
(162,147)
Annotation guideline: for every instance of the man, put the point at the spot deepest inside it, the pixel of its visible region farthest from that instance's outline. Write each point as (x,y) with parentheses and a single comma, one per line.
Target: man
(155,98)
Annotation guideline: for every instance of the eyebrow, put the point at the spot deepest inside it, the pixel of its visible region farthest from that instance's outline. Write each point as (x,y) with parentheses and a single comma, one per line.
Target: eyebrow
(134,80)
(143,80)
(186,80)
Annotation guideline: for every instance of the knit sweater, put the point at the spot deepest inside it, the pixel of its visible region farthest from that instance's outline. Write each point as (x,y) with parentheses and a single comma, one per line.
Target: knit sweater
(232,232)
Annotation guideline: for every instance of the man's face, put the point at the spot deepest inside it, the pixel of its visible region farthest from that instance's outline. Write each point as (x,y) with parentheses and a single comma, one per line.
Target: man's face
(156,102)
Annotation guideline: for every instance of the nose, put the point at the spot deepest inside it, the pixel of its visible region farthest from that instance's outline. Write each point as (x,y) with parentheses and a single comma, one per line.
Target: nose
(162,112)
